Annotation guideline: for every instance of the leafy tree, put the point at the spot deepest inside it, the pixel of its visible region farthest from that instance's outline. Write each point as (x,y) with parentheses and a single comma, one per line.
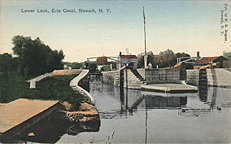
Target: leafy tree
(77,65)
(184,56)
(7,63)
(149,60)
(165,59)
(227,54)
(181,55)
(178,55)
(92,67)
(35,57)
(74,65)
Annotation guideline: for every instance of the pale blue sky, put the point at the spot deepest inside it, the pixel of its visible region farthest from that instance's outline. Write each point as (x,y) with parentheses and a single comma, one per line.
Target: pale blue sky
(183,26)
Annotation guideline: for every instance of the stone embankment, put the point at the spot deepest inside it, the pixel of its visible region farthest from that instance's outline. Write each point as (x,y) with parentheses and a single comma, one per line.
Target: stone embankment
(85,114)
(161,76)
(220,77)
(113,77)
(81,83)
(151,76)
(192,77)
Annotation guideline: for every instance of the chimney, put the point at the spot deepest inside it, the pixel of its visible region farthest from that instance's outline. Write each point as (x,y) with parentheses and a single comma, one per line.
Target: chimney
(198,55)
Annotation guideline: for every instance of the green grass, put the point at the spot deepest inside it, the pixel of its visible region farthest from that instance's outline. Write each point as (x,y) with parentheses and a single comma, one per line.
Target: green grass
(13,86)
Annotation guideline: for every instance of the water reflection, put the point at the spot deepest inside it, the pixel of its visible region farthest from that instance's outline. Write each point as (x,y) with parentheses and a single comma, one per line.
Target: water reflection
(131,100)
(203,93)
(214,98)
(165,102)
(203,102)
(209,101)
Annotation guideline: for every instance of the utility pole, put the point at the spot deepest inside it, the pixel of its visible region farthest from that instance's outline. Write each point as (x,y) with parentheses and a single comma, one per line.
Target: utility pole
(145,51)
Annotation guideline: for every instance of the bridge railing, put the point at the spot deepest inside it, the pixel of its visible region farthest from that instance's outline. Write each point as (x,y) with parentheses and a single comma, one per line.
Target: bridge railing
(37,79)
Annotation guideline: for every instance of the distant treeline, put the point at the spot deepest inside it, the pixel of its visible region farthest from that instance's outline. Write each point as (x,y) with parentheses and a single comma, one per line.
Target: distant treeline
(74,65)
(169,58)
(165,59)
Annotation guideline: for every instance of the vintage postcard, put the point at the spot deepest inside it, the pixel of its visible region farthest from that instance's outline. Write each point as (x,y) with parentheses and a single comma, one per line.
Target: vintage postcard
(74,71)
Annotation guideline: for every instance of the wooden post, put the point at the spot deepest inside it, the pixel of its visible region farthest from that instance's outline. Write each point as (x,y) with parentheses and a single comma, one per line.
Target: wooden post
(126,77)
(146,120)
(32,84)
(121,82)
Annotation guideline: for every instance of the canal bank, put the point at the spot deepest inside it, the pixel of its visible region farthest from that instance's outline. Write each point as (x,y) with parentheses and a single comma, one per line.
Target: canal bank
(34,120)
(21,119)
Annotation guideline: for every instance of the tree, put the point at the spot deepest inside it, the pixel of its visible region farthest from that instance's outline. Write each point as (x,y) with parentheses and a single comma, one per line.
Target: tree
(178,55)
(35,57)
(7,63)
(92,67)
(165,59)
(74,65)
(149,60)
(184,56)
(227,54)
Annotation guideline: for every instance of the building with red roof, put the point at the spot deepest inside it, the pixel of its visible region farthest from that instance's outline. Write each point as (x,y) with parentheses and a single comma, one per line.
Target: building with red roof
(125,59)
(102,59)
(128,56)
(216,61)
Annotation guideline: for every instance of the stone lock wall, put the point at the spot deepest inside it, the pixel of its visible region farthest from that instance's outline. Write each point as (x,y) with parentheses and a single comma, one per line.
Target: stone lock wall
(84,83)
(113,78)
(219,77)
(174,75)
(109,77)
(133,81)
(192,77)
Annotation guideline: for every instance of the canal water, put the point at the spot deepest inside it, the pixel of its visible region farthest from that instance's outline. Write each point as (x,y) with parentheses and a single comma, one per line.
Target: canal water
(135,116)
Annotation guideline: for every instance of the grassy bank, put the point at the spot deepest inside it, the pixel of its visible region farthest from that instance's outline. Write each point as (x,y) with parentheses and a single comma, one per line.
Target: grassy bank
(13,86)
